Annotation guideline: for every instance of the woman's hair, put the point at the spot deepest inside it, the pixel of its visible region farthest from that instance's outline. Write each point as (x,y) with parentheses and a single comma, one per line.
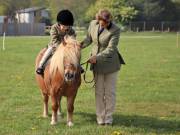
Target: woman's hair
(104,15)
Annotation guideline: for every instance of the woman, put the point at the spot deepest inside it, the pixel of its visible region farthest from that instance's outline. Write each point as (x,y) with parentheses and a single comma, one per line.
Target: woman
(63,27)
(105,62)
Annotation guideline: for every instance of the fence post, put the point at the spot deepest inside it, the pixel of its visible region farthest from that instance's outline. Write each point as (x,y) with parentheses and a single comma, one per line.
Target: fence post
(32,28)
(153,29)
(4,36)
(177,40)
(168,29)
(144,26)
(16,30)
(5,25)
(162,26)
(137,29)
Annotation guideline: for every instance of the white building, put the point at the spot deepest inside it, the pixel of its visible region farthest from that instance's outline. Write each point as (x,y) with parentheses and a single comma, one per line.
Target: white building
(3,18)
(31,15)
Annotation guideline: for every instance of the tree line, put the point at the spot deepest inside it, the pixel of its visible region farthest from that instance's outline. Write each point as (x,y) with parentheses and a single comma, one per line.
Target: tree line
(123,11)
(139,10)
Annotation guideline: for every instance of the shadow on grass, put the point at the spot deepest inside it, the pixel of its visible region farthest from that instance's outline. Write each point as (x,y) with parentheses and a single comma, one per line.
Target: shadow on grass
(136,121)
(146,122)
(87,117)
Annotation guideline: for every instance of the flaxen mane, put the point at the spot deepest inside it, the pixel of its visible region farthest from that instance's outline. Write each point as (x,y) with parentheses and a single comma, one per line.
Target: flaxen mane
(69,50)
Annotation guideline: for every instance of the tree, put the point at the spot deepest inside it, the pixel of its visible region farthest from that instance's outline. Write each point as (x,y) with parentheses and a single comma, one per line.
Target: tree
(170,11)
(154,10)
(177,4)
(121,12)
(9,7)
(77,7)
(40,3)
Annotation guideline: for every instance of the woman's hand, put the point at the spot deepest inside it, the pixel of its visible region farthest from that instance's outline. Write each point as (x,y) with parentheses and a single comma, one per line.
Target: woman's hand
(92,60)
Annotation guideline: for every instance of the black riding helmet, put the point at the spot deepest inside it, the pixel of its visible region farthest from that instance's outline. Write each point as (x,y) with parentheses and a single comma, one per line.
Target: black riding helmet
(65,17)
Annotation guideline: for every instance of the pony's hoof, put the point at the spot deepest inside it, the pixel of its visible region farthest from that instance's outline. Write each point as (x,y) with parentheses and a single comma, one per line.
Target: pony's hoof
(53,123)
(45,115)
(70,124)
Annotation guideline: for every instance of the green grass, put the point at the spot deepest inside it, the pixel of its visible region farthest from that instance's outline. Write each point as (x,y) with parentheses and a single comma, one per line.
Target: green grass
(148,99)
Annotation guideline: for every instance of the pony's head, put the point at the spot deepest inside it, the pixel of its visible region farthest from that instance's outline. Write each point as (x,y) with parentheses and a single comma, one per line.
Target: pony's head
(66,59)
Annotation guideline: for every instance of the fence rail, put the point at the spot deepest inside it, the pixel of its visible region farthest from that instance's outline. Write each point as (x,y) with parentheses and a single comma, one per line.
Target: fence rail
(154,26)
(40,28)
(22,29)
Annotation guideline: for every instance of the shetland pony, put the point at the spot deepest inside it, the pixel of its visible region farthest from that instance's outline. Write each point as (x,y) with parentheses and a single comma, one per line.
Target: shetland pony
(61,77)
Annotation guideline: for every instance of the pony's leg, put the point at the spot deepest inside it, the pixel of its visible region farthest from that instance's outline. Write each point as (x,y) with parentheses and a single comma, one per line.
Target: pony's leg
(59,107)
(54,118)
(70,108)
(45,111)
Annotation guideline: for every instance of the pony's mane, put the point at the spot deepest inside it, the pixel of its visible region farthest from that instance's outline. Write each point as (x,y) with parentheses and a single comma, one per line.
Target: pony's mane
(70,51)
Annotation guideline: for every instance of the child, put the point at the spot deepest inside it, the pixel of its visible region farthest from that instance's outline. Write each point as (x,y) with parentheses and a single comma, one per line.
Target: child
(63,27)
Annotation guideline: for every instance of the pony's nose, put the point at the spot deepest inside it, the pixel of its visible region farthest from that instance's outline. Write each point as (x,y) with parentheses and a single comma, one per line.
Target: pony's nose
(69,76)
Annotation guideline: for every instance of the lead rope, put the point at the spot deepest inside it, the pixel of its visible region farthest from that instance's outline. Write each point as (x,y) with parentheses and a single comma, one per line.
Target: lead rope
(84,76)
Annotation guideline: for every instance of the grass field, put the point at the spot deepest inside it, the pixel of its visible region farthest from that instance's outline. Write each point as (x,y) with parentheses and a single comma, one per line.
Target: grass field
(148,90)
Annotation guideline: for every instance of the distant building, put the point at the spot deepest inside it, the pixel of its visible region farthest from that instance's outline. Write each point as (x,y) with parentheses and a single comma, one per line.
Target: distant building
(32,15)
(4,19)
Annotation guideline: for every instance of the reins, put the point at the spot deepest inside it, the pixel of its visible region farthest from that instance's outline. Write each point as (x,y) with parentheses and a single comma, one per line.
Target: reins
(84,76)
